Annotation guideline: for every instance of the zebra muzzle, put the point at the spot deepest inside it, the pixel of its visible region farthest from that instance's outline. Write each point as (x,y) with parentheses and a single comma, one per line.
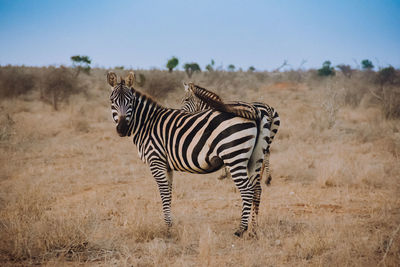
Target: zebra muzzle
(122,126)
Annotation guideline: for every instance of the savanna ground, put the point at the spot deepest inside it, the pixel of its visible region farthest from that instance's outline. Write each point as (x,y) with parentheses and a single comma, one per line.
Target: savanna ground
(73,192)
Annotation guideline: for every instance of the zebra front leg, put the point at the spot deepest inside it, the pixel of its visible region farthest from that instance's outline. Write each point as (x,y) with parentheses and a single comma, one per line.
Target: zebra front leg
(170,179)
(163,178)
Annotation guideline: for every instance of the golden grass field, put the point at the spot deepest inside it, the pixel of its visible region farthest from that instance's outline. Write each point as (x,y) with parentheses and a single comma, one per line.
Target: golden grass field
(73,192)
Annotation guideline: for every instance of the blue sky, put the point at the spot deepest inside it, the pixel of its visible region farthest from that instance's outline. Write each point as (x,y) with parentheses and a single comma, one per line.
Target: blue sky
(145,34)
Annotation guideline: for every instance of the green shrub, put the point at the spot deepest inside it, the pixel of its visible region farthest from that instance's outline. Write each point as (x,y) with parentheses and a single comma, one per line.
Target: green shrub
(326,69)
(366,64)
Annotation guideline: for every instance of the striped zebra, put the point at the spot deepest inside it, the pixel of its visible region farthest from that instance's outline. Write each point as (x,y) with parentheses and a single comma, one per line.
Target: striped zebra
(197,98)
(202,142)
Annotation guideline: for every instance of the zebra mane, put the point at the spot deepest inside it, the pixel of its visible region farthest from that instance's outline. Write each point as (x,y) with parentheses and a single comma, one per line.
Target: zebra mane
(211,99)
(215,102)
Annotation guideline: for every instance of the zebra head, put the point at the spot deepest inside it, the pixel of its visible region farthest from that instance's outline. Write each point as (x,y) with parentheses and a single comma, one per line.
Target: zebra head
(189,101)
(122,96)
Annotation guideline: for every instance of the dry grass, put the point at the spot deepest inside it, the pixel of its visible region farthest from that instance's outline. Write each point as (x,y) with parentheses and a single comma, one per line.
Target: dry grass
(73,192)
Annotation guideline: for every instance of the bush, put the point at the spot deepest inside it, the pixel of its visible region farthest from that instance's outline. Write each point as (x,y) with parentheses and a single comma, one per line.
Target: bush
(388,92)
(386,76)
(58,85)
(346,70)
(326,69)
(15,81)
(251,69)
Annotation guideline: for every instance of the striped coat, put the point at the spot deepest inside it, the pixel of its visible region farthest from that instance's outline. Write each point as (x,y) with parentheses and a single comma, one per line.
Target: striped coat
(175,140)
(197,98)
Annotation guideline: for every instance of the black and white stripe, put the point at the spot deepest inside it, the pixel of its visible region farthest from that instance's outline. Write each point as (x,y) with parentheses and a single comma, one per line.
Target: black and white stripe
(268,115)
(201,142)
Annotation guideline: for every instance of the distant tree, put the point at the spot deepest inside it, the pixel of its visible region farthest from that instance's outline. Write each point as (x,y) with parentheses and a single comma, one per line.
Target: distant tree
(367,64)
(251,69)
(231,67)
(172,63)
(81,63)
(345,69)
(190,68)
(326,69)
(210,67)
(119,67)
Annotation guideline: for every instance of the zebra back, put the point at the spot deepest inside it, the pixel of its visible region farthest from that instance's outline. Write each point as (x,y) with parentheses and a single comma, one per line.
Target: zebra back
(214,101)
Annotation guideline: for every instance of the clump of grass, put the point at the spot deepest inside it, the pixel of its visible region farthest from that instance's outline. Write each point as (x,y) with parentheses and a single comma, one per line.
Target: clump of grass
(30,231)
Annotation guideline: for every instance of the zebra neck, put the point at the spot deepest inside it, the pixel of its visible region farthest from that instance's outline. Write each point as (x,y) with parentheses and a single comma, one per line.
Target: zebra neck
(143,115)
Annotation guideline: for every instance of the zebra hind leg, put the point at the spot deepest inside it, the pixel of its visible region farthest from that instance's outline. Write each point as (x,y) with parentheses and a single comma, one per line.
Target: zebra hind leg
(246,189)
(267,167)
(256,207)
(255,178)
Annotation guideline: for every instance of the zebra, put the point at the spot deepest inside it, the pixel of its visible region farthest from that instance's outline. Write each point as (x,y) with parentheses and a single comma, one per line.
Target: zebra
(197,98)
(202,142)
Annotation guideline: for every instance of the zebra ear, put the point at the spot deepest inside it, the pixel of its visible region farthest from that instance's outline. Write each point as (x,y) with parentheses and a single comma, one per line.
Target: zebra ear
(130,79)
(112,78)
(186,86)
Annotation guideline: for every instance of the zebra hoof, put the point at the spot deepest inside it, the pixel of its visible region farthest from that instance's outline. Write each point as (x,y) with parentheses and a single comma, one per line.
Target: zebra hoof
(221,177)
(268,181)
(239,233)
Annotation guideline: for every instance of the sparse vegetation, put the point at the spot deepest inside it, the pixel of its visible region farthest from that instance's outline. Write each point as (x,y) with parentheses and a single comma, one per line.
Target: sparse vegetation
(74,193)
